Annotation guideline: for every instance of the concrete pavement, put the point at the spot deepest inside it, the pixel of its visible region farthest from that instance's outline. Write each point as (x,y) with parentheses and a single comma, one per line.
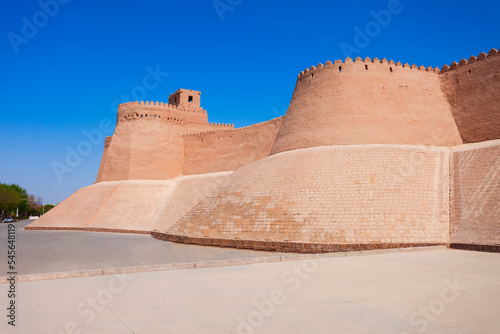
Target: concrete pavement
(43,252)
(394,291)
(438,291)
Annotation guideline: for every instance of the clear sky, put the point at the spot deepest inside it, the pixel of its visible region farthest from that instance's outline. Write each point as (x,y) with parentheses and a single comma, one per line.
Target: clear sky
(65,66)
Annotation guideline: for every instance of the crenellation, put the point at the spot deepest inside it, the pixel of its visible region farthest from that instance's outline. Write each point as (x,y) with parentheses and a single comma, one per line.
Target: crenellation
(358,60)
(482,56)
(453,65)
(463,62)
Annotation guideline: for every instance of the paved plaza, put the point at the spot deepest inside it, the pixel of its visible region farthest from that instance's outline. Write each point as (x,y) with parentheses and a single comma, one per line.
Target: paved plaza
(436,290)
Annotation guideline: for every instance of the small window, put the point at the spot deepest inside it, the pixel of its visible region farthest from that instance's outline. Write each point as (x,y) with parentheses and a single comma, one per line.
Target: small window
(340,68)
(190,99)
(366,67)
(390,68)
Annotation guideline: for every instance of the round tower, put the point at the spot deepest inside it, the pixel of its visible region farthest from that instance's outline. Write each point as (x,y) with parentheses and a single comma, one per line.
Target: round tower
(367,102)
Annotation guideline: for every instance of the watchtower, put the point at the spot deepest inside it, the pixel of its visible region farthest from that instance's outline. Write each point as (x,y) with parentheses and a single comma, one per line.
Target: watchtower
(185,98)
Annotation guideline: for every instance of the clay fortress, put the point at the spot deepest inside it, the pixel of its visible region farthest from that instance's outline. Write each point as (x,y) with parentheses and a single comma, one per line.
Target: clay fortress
(370,154)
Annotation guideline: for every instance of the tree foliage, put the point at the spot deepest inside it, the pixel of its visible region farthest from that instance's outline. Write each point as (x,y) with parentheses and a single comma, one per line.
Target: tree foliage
(12,197)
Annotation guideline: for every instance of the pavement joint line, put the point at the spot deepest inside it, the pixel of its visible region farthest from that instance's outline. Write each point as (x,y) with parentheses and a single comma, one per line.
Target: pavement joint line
(105,304)
(207,264)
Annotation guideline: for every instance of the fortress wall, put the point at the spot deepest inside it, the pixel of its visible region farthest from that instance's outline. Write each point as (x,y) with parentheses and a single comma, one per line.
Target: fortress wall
(144,148)
(188,192)
(107,142)
(219,151)
(123,206)
(472,87)
(475,204)
(367,102)
(327,199)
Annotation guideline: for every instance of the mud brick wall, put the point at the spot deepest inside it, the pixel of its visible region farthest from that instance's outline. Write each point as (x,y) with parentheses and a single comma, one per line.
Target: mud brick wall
(475,199)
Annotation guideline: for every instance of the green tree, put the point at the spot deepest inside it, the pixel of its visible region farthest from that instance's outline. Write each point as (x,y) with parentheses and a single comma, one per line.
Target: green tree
(12,197)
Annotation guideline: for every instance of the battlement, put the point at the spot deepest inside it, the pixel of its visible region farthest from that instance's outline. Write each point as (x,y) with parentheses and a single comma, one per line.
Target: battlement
(339,66)
(231,127)
(107,141)
(159,111)
(462,63)
(164,105)
(391,64)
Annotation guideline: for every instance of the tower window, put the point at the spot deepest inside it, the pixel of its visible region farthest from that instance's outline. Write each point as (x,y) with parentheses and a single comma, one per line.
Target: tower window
(190,99)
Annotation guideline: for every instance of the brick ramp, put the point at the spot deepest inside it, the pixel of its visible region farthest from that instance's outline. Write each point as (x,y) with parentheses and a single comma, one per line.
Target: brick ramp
(132,206)
(117,206)
(379,196)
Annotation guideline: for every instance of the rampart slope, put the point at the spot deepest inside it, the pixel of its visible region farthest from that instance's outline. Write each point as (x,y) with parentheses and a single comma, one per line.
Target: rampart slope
(325,199)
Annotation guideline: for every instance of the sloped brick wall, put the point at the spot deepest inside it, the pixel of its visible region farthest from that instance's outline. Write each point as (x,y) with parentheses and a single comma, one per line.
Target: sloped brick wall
(375,195)
(475,200)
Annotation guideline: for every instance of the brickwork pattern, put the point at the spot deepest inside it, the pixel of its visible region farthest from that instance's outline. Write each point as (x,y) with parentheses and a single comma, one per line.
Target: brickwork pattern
(475,199)
(366,194)
(189,191)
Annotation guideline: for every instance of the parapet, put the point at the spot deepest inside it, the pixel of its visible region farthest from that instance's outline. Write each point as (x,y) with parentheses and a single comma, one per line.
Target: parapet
(230,127)
(160,111)
(346,64)
(482,56)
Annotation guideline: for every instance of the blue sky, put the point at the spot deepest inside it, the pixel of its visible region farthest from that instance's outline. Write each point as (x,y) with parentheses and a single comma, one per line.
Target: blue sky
(65,67)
